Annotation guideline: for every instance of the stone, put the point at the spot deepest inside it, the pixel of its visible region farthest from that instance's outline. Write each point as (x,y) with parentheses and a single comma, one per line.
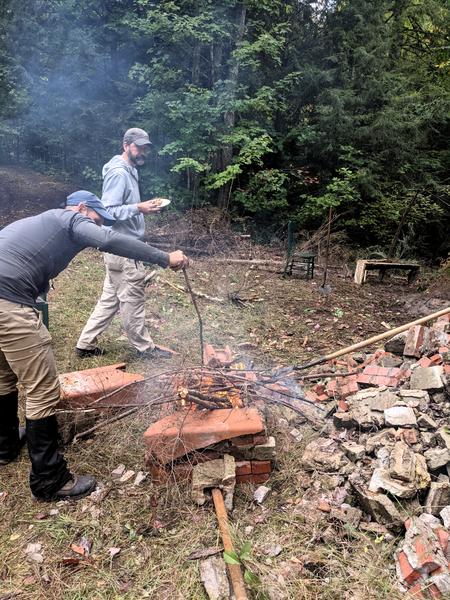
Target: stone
(266,451)
(382,480)
(383,438)
(412,397)
(118,472)
(379,506)
(261,493)
(213,573)
(437,458)
(296,434)
(400,416)
(127,476)
(347,514)
(445,516)
(427,378)
(402,463)
(438,496)
(396,345)
(430,520)
(444,435)
(323,454)
(219,473)
(353,451)
(389,360)
(426,422)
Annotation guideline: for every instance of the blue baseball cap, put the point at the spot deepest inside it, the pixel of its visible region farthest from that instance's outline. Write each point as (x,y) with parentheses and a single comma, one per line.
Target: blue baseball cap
(91,201)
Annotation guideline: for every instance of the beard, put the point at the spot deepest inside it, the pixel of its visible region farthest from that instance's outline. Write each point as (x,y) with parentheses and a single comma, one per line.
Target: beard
(136,161)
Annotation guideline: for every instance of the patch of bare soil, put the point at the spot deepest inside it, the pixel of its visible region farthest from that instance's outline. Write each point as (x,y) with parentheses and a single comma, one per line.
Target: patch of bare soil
(26,193)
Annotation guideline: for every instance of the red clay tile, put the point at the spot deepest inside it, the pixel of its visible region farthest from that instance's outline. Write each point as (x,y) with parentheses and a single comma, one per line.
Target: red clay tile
(82,388)
(188,430)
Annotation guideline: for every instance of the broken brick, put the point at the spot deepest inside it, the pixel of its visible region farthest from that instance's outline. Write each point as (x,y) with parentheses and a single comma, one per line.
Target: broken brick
(443,537)
(424,362)
(407,573)
(436,359)
(415,340)
(434,591)
(416,592)
(256,478)
(323,505)
(379,376)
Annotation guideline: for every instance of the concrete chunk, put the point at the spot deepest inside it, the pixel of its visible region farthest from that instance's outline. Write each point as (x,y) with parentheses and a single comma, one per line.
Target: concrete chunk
(438,497)
(427,378)
(445,516)
(400,416)
(219,473)
(437,458)
(213,573)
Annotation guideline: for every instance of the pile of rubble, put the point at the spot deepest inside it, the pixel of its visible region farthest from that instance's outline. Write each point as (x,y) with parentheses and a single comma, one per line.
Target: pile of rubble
(385,461)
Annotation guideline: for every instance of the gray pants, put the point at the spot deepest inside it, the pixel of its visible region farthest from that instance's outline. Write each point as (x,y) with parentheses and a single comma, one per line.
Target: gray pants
(124,291)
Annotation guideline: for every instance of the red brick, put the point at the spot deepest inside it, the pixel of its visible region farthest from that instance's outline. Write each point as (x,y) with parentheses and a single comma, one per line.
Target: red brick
(433,591)
(424,362)
(261,466)
(447,369)
(311,396)
(436,359)
(416,592)
(342,406)
(414,341)
(425,555)
(443,350)
(243,467)
(443,537)
(319,389)
(409,574)
(322,397)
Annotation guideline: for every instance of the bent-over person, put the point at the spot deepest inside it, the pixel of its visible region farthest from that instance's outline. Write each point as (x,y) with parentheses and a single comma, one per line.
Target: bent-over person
(32,252)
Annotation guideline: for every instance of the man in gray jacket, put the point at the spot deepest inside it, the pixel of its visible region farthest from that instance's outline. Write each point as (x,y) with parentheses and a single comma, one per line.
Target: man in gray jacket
(124,285)
(32,252)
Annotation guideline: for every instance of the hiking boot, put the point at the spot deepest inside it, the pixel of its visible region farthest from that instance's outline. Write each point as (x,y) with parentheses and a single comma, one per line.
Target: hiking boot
(78,487)
(85,352)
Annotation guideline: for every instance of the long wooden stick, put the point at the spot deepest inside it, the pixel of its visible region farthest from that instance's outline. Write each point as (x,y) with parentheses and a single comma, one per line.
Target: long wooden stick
(200,322)
(237,580)
(372,340)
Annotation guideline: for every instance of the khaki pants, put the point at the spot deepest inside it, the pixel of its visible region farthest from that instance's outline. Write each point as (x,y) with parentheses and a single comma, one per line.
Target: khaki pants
(124,291)
(26,357)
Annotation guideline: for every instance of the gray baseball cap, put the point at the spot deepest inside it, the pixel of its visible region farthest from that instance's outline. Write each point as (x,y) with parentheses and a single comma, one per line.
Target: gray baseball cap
(136,136)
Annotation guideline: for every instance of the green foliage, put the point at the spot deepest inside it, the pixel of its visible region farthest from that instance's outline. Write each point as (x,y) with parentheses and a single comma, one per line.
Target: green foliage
(275,109)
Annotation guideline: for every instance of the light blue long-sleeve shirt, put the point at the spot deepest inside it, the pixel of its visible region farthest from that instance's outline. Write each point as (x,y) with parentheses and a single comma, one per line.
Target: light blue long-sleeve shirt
(120,195)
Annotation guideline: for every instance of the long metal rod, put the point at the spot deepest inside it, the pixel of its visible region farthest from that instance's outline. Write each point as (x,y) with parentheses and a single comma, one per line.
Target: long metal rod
(200,322)
(237,580)
(372,340)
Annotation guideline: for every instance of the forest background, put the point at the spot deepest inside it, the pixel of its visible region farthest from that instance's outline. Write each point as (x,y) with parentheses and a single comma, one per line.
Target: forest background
(272,110)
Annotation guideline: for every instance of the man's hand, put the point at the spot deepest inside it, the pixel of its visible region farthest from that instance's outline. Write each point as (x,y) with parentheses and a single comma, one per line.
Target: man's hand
(177,260)
(150,206)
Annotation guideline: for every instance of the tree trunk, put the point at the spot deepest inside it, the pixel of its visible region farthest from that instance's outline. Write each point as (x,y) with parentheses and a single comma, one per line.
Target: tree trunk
(229,117)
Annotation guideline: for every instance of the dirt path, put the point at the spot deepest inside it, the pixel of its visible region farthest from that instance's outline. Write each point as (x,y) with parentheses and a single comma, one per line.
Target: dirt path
(26,193)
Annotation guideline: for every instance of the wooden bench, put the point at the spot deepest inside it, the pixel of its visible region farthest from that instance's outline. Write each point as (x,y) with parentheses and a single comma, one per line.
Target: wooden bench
(362,266)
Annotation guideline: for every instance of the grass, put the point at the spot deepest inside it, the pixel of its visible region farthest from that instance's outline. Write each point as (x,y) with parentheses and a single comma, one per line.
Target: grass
(157,528)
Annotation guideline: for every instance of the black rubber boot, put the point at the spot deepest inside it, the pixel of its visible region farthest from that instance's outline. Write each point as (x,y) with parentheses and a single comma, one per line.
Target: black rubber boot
(12,437)
(50,479)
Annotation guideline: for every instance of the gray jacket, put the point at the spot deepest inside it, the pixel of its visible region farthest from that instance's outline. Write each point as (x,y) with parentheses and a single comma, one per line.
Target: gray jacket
(37,249)
(120,195)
